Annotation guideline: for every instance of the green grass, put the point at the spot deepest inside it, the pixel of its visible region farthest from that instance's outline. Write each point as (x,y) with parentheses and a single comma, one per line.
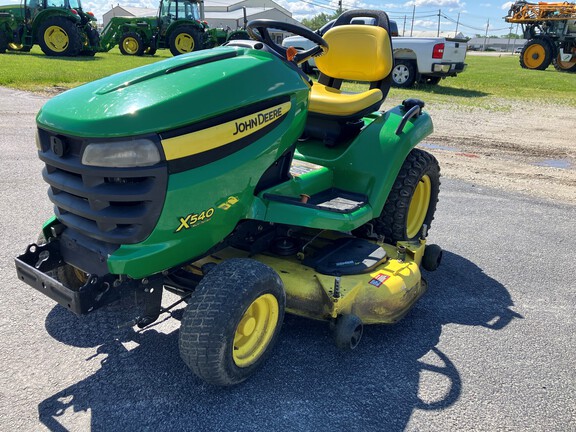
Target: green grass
(34,71)
(486,82)
(489,78)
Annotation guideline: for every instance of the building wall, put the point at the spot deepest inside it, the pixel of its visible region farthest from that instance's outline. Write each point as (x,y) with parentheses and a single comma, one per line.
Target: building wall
(237,21)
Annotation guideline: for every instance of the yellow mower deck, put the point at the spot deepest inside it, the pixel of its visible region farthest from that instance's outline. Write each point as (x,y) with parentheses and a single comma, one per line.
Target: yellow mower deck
(382,295)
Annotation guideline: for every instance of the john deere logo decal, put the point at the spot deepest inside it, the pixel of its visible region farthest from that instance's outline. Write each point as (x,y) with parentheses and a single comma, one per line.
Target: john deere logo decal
(257,120)
(218,136)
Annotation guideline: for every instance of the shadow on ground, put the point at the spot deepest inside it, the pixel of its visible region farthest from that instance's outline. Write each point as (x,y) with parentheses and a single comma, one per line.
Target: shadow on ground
(306,385)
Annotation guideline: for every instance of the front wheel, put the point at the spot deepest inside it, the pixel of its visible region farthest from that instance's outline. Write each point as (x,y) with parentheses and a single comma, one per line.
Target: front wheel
(537,54)
(184,39)
(404,74)
(232,321)
(412,201)
(131,44)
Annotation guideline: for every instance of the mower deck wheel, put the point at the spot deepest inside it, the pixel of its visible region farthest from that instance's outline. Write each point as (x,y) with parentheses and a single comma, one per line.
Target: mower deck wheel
(232,321)
(432,257)
(348,331)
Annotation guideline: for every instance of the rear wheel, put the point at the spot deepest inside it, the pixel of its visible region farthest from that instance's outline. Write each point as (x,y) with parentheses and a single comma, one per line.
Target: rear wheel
(58,36)
(184,39)
(562,66)
(232,321)
(131,44)
(403,74)
(412,200)
(537,54)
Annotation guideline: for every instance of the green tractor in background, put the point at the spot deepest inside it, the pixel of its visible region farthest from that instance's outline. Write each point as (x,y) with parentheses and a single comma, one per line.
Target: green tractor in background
(179,26)
(60,27)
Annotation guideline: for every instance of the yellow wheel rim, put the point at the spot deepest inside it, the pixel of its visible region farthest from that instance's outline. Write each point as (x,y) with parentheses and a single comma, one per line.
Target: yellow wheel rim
(565,65)
(534,56)
(418,206)
(56,38)
(255,330)
(131,45)
(184,43)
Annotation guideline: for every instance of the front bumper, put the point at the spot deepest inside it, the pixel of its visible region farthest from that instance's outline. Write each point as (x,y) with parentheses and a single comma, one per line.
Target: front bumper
(37,266)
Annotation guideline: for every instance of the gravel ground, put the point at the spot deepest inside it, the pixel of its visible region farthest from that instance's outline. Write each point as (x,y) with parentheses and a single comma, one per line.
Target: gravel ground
(490,347)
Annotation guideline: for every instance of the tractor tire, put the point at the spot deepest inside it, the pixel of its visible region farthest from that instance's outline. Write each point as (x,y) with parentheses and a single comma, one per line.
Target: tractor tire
(59,37)
(537,54)
(403,74)
(185,39)
(131,44)
(232,321)
(560,66)
(150,51)
(3,42)
(411,202)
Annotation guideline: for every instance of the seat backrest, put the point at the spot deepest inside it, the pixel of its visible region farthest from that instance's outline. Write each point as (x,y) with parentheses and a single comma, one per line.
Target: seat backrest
(358,52)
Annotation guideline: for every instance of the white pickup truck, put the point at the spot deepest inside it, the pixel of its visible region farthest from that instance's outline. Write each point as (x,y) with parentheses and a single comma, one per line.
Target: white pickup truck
(423,60)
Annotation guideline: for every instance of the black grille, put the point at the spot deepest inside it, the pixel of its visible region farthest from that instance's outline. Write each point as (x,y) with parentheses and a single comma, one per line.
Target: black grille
(115,205)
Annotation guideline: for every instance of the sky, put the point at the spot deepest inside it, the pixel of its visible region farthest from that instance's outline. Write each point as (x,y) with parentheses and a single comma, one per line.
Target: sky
(473,17)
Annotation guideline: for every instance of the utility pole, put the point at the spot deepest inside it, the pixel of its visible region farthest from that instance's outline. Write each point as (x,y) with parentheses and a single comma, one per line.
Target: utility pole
(486,34)
(457,23)
(404,26)
(412,26)
(508,42)
(439,15)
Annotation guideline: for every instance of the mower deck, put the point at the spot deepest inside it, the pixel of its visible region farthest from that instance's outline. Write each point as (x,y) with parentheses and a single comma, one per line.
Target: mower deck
(380,294)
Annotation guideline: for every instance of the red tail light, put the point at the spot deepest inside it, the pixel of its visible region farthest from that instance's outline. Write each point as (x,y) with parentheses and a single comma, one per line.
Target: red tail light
(438,51)
(74,11)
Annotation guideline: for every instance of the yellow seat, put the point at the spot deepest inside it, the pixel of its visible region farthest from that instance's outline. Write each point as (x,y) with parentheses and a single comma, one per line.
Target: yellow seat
(357,53)
(330,101)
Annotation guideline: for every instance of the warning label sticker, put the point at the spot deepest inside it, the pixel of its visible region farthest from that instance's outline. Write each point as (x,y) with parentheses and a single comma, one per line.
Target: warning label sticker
(379,279)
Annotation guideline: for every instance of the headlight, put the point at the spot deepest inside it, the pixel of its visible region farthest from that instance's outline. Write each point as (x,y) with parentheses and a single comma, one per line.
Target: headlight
(122,154)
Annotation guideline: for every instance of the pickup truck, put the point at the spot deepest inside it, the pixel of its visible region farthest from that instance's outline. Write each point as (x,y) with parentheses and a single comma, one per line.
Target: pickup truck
(423,60)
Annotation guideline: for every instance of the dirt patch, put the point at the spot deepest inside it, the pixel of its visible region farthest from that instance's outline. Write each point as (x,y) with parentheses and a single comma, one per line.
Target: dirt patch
(520,147)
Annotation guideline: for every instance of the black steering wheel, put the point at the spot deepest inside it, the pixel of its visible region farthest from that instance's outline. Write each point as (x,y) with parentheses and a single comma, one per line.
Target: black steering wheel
(258,29)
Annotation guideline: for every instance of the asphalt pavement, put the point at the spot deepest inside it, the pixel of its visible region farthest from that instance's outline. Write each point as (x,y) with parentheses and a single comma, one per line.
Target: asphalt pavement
(490,346)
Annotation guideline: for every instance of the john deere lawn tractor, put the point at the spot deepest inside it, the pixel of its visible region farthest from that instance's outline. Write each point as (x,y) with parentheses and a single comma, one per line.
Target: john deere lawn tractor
(274,195)
(61,28)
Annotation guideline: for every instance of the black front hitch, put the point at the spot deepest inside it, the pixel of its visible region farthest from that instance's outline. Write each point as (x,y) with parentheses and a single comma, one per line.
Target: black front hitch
(38,265)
